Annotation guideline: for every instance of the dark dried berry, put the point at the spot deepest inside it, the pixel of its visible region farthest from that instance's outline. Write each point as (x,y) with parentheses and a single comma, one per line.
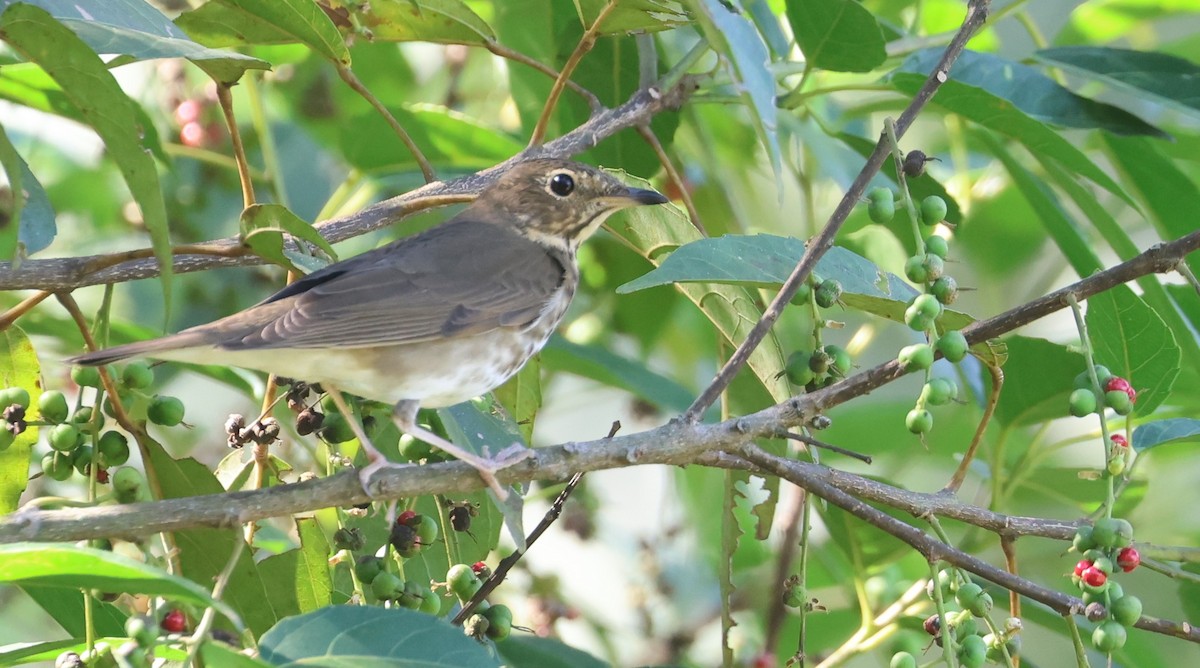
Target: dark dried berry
(460,518)
(14,412)
(914,163)
(403,538)
(308,421)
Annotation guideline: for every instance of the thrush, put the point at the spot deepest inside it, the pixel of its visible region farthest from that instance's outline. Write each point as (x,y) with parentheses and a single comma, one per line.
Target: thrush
(433,319)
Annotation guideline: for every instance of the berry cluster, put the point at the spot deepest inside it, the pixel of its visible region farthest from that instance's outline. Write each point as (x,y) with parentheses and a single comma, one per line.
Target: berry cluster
(1106,547)
(1117,394)
(491,621)
(976,639)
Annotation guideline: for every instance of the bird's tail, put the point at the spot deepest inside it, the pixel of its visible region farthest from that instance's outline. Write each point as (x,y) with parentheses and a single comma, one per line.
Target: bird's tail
(151,348)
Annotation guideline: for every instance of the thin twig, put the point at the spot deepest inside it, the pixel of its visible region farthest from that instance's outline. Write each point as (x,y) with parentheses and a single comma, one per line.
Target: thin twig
(960,474)
(225,98)
(13,314)
(809,440)
(200,635)
(976,14)
(585,44)
(674,175)
(357,86)
(499,49)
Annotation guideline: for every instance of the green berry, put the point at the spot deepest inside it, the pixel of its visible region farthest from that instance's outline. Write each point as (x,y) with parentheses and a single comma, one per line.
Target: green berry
(14,395)
(57,465)
(335,429)
(386,586)
(968,595)
(802,295)
(137,376)
(903,660)
(841,363)
(881,205)
(937,246)
(53,406)
(1118,400)
(972,653)
(934,266)
(797,369)
(828,293)
(462,581)
(916,357)
(1112,532)
(919,421)
(933,210)
(127,484)
(427,530)
(114,449)
(953,346)
(86,376)
(945,289)
(431,604)
(1082,542)
(411,449)
(939,391)
(922,311)
(500,619)
(81,459)
(819,362)
(367,568)
(915,270)
(1126,610)
(1109,636)
(166,411)
(65,437)
(1082,402)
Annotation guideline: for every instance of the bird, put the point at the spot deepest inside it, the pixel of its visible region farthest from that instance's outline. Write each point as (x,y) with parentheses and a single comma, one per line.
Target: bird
(429,320)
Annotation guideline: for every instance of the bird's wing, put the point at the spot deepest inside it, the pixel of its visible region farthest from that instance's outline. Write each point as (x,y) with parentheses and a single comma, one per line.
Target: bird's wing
(456,279)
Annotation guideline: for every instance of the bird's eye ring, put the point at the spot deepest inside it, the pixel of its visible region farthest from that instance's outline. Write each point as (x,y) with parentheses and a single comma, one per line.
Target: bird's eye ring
(562,184)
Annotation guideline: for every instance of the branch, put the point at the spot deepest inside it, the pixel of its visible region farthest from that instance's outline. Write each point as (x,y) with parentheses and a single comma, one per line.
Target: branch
(64,274)
(976,14)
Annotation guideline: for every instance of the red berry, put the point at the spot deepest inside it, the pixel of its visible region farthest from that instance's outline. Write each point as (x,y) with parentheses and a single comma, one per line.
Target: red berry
(478,567)
(1093,576)
(188,111)
(1128,559)
(102,476)
(1119,441)
(1082,566)
(173,622)
(406,516)
(192,134)
(1117,383)
(765,660)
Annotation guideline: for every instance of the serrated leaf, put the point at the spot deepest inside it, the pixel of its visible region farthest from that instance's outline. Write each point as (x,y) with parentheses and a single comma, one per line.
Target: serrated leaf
(31,209)
(1038,379)
(1161,432)
(91,88)
(1133,342)
(19,367)
(746,60)
(837,35)
(971,96)
(261,227)
(442,21)
(72,567)
(765,260)
(370,636)
(1170,80)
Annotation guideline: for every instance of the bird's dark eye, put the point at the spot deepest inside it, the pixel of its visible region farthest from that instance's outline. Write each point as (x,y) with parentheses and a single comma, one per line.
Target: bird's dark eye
(562,184)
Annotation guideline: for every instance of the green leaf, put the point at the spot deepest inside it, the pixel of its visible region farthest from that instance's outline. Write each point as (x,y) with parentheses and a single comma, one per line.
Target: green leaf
(765,260)
(965,95)
(345,636)
(1133,342)
(31,209)
(91,88)
(1078,250)
(232,22)
(746,60)
(838,35)
(262,226)
(522,651)
(299,579)
(442,21)
(733,310)
(225,656)
(18,368)
(1172,81)
(633,15)
(446,137)
(1038,379)
(67,607)
(482,425)
(601,364)
(1035,94)
(1161,432)
(522,396)
(53,565)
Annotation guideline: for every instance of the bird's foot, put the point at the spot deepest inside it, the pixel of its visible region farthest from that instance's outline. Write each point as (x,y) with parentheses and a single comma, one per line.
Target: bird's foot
(488,466)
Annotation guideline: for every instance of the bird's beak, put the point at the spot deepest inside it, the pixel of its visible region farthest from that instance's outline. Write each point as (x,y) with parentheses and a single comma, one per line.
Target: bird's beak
(637,197)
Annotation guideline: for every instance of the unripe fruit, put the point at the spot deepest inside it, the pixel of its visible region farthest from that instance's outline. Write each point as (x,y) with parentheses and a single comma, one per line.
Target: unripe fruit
(939,391)
(427,530)
(336,429)
(915,271)
(81,459)
(903,660)
(922,311)
(65,437)
(1126,610)
(500,618)
(1082,402)
(1111,532)
(933,210)
(57,465)
(1083,540)
(137,376)
(1118,384)
(367,568)
(881,205)
(803,294)
(828,293)
(936,245)
(431,604)
(127,484)
(915,357)
(86,376)
(934,266)
(841,363)
(462,581)
(14,395)
(1118,401)
(53,406)
(114,449)
(953,346)
(1109,636)
(386,586)
(165,411)
(919,421)
(972,653)
(797,369)
(945,289)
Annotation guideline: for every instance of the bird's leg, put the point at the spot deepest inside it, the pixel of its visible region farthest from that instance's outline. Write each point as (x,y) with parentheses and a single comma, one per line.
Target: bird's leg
(405,417)
(374,456)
